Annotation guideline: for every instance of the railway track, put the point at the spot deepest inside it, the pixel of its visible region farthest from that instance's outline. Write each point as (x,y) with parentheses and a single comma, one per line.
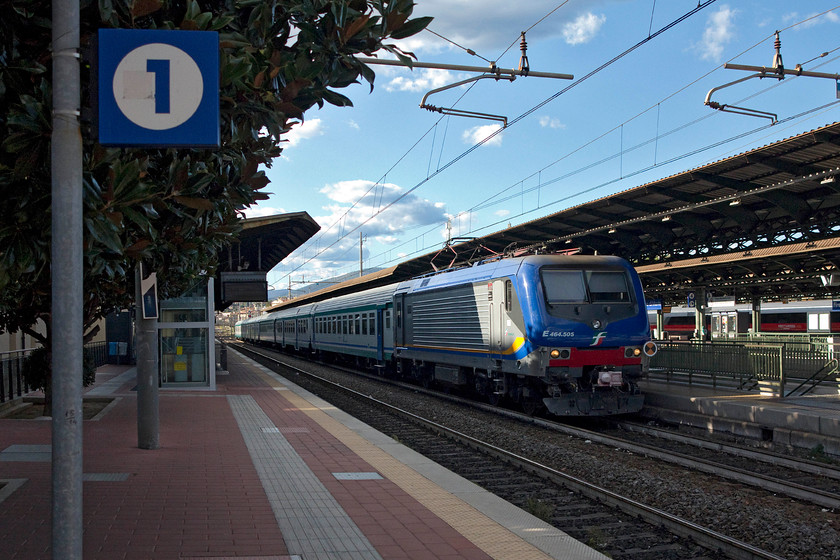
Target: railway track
(620,526)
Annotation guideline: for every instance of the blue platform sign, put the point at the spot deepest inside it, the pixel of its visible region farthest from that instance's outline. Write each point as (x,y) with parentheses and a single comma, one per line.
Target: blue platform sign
(158,88)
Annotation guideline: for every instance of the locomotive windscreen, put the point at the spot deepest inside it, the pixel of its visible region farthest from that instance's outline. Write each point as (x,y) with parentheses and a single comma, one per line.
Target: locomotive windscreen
(564,286)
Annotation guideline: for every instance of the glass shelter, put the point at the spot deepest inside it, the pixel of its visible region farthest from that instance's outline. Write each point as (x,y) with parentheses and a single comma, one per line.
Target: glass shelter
(185,338)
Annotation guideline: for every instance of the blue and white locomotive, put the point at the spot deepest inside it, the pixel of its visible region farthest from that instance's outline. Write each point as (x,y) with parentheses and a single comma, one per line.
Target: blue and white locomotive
(563,332)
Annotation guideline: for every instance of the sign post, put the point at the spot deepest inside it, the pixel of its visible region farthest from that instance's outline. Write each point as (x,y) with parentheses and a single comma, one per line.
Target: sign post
(157,88)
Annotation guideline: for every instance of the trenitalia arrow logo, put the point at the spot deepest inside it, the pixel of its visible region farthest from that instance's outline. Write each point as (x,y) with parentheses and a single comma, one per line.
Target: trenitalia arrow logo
(598,338)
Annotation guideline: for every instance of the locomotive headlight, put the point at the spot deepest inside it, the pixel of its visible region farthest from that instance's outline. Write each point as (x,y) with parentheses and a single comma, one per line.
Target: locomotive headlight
(650,348)
(560,353)
(632,352)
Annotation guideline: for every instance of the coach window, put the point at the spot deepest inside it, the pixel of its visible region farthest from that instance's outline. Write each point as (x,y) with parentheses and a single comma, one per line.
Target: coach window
(372,323)
(364,324)
(387,319)
(345,322)
(818,322)
(358,324)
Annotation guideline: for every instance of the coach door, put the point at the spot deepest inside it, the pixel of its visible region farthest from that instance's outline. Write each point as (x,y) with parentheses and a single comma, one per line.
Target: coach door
(380,335)
(399,320)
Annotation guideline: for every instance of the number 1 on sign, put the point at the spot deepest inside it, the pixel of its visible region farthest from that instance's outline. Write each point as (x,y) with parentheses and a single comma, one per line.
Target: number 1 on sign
(160,68)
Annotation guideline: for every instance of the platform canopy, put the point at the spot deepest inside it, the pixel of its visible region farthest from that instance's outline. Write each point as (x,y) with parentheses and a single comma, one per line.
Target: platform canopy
(261,245)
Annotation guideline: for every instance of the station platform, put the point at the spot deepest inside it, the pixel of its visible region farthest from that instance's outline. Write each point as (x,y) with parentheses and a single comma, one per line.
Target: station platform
(810,422)
(258,469)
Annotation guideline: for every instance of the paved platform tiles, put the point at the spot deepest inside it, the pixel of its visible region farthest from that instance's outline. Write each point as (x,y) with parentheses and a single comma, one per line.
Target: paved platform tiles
(257,469)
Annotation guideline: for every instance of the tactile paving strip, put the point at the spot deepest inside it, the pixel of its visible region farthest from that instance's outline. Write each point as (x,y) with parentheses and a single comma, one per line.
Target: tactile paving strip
(299,500)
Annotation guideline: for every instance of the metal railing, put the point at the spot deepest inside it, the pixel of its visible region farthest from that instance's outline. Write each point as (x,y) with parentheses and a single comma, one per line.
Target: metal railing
(97,352)
(766,363)
(12,383)
(11,366)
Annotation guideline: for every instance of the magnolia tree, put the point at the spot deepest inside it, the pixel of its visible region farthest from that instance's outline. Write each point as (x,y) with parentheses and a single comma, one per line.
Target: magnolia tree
(174,209)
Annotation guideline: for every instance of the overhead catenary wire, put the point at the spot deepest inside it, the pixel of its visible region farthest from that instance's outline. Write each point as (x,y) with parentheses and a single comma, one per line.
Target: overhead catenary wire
(495,200)
(468,51)
(536,23)
(701,5)
(664,99)
(433,127)
(502,222)
(658,136)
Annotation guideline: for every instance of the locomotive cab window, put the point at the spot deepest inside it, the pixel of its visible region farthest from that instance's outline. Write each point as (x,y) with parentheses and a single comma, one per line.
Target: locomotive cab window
(608,287)
(563,286)
(585,286)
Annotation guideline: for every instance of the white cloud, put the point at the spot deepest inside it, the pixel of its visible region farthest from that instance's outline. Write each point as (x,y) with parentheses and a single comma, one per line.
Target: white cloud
(355,203)
(551,122)
(830,17)
(720,30)
(488,27)
(353,124)
(309,128)
(421,80)
(583,29)
(476,134)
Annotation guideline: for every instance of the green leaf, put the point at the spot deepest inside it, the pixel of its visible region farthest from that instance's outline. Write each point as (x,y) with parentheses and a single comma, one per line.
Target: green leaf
(411,27)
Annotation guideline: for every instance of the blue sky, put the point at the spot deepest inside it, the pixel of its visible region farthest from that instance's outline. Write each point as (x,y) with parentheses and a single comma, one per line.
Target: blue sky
(407,178)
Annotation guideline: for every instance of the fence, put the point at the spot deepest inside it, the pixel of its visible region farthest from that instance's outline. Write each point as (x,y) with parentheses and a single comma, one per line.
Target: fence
(12,384)
(11,365)
(769,363)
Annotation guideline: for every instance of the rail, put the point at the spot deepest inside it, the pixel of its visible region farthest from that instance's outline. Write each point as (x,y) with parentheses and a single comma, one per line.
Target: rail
(12,383)
(758,363)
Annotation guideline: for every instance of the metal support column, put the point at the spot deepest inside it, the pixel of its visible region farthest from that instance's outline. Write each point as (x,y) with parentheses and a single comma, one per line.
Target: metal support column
(67,284)
(660,324)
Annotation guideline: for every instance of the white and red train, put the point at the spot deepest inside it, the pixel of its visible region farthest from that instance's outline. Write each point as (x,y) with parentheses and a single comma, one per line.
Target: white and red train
(725,320)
